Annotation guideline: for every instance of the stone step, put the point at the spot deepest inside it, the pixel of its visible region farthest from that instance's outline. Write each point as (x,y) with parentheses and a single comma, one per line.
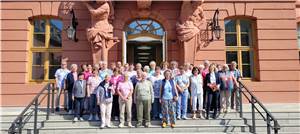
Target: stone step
(229,115)
(181,123)
(158,129)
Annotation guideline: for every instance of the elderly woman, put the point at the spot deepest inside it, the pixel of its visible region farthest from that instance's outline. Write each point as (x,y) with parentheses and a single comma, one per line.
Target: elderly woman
(92,83)
(182,84)
(196,88)
(125,89)
(156,79)
(168,98)
(152,65)
(143,98)
(105,98)
(227,84)
(212,82)
(114,81)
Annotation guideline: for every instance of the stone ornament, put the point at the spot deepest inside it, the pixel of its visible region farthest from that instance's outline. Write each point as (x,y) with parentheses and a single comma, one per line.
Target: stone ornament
(190,21)
(144,8)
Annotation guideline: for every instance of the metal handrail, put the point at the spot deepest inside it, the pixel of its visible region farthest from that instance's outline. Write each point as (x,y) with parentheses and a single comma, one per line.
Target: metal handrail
(18,123)
(253,100)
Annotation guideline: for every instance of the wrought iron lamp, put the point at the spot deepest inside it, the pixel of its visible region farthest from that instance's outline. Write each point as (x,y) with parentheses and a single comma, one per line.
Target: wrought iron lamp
(71,30)
(215,27)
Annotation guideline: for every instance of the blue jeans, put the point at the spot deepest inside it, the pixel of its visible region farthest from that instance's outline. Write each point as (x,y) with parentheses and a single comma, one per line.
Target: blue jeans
(182,103)
(93,108)
(79,107)
(156,108)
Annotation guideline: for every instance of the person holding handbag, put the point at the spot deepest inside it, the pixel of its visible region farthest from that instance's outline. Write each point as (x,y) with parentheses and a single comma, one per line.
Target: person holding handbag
(168,98)
(212,82)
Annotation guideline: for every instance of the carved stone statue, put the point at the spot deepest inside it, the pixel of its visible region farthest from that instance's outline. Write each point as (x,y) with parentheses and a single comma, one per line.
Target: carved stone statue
(190,21)
(189,26)
(100,34)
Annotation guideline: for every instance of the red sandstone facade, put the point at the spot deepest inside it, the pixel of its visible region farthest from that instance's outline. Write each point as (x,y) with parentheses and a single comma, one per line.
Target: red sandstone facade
(276,53)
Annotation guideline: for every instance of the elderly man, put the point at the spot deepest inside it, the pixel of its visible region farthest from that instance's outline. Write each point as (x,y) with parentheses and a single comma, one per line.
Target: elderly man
(235,93)
(69,83)
(143,98)
(60,76)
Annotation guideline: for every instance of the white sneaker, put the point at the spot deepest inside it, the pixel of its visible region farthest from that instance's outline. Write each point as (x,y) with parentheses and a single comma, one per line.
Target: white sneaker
(108,126)
(178,117)
(194,116)
(80,119)
(121,125)
(75,119)
(96,117)
(102,126)
(91,117)
(130,125)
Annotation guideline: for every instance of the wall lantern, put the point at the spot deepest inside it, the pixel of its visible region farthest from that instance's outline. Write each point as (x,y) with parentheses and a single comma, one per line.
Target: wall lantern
(215,27)
(71,30)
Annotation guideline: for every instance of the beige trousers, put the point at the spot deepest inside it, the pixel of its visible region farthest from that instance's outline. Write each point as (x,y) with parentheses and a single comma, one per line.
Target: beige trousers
(125,105)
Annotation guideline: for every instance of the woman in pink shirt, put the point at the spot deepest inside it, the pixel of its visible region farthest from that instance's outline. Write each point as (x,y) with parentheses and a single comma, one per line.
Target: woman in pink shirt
(114,81)
(92,84)
(88,72)
(125,89)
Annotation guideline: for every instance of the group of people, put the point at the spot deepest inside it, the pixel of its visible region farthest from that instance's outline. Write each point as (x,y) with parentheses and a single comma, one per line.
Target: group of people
(149,92)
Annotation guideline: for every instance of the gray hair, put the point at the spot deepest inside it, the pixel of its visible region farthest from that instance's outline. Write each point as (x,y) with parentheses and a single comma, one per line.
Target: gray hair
(73,66)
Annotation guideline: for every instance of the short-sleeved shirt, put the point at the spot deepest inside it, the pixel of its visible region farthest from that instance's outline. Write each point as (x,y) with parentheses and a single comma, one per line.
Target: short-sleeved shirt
(87,74)
(156,82)
(182,80)
(93,82)
(196,84)
(61,74)
(188,73)
(167,92)
(125,88)
(226,80)
(103,73)
(236,73)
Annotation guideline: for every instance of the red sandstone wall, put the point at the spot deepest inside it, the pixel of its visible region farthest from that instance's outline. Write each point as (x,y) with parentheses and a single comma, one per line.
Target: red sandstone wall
(276,31)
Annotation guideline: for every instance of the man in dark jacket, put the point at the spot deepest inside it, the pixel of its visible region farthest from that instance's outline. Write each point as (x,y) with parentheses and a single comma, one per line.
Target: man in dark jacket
(69,83)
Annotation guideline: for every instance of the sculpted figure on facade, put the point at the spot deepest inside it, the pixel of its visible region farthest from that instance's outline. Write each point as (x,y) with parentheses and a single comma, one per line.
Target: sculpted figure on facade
(100,34)
(190,21)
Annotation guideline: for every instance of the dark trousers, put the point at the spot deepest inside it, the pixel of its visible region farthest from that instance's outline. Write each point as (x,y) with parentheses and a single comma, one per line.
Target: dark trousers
(205,88)
(94,108)
(79,102)
(70,101)
(115,107)
(156,109)
(212,101)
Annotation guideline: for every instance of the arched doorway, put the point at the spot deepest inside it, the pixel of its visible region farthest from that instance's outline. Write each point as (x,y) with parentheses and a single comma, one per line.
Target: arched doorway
(144,40)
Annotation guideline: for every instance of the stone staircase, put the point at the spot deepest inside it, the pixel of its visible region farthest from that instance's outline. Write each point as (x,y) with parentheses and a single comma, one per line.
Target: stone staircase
(225,123)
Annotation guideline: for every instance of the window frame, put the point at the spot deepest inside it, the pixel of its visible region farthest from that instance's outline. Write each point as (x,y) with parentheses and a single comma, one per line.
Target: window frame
(239,48)
(46,49)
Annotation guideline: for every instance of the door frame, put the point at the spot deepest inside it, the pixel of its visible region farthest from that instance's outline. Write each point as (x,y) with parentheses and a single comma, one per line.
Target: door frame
(124,47)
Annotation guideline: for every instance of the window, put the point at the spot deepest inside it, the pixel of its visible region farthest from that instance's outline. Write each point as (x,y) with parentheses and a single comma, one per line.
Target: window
(144,27)
(45,50)
(239,44)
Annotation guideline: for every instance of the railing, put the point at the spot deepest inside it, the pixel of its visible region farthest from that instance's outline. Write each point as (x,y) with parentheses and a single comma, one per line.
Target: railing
(268,118)
(18,124)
